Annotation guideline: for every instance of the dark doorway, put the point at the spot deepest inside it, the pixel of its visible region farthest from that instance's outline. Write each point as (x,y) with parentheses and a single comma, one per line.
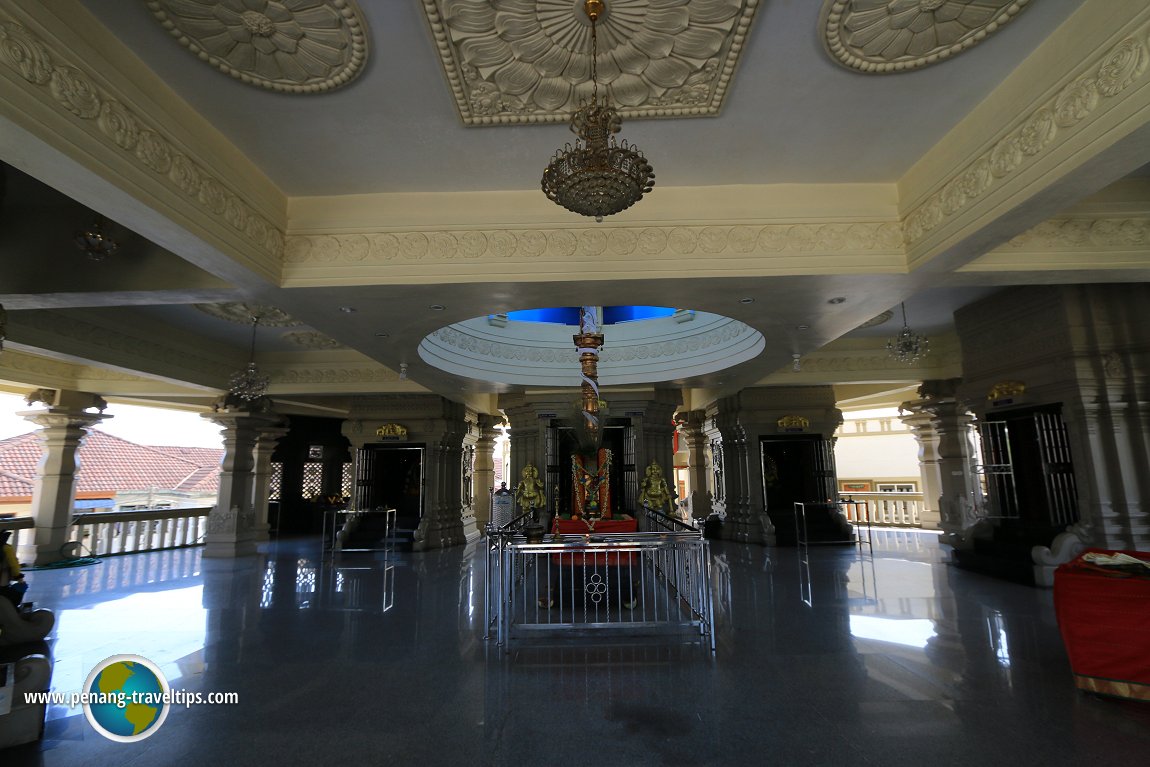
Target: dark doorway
(391,476)
(1028,473)
(795,471)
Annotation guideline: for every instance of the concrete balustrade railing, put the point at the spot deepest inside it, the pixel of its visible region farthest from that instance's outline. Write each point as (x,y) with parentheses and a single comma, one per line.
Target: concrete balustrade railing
(19,527)
(889,509)
(104,534)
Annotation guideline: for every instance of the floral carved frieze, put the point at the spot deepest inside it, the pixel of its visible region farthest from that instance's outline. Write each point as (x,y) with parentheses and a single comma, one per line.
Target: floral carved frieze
(530,244)
(301,376)
(76,92)
(291,46)
(528,61)
(885,36)
(1104,81)
(310,339)
(1084,234)
(241,314)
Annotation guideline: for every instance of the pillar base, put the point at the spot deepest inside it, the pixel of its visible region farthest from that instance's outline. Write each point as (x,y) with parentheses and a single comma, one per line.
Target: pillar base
(930,520)
(222,547)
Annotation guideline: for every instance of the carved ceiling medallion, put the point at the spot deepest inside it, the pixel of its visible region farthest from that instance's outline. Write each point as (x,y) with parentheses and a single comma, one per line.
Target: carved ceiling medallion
(310,339)
(876,320)
(292,46)
(241,314)
(885,36)
(527,61)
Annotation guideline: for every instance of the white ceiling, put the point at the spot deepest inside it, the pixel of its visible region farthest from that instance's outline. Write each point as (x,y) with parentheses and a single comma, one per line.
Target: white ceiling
(792,115)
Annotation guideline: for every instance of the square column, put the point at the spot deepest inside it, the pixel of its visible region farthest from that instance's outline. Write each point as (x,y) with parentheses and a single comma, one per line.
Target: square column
(232,522)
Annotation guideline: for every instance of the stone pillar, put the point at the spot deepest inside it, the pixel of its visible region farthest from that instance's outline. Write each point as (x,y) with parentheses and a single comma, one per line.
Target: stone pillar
(232,521)
(528,444)
(261,482)
(698,467)
(921,425)
(483,477)
(960,494)
(655,433)
(63,426)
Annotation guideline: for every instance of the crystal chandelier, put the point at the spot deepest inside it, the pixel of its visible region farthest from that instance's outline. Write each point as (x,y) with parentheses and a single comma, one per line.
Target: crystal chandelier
(597,177)
(95,243)
(907,347)
(248,385)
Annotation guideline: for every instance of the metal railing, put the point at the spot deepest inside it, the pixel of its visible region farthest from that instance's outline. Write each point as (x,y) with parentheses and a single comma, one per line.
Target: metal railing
(888,509)
(364,530)
(102,534)
(640,583)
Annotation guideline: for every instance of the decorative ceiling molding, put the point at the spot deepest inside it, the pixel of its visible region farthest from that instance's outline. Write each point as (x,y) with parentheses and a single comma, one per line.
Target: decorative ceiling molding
(310,339)
(290,46)
(876,320)
(1084,234)
(528,244)
(241,314)
(75,91)
(1105,82)
(1086,243)
(541,354)
(297,376)
(886,36)
(525,61)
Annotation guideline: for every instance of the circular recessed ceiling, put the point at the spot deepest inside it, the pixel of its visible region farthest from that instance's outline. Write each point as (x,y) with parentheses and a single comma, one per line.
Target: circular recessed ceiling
(648,349)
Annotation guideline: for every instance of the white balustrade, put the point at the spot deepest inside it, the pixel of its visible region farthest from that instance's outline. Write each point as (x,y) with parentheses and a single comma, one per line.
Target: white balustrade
(101,534)
(19,527)
(883,509)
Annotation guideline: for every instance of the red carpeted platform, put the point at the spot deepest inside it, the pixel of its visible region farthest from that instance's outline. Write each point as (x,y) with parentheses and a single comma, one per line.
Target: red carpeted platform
(1104,616)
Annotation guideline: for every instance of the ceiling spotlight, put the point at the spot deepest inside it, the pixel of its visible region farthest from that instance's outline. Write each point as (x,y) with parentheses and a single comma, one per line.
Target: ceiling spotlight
(802,327)
(747,300)
(437,307)
(382,334)
(95,242)
(597,177)
(836,300)
(347,309)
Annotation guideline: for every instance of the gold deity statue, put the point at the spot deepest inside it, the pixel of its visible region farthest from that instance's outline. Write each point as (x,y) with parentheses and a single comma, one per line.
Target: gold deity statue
(529,493)
(654,493)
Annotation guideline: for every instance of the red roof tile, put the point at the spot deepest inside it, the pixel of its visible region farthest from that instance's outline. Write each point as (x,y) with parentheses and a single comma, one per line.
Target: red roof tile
(109,464)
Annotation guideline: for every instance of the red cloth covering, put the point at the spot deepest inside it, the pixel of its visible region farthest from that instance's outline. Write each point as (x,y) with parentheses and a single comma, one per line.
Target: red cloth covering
(1104,616)
(579,527)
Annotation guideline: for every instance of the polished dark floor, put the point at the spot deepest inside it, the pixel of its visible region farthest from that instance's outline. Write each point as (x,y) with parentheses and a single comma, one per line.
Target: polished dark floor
(890,659)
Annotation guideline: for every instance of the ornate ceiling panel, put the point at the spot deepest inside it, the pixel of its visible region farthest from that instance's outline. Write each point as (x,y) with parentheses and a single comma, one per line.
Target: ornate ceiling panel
(292,46)
(528,61)
(885,36)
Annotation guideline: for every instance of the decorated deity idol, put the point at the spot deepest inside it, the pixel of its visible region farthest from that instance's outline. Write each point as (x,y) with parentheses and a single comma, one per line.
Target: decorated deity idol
(654,493)
(529,493)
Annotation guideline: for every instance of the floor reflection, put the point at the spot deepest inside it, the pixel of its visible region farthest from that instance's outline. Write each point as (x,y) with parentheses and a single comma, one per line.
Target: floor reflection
(887,657)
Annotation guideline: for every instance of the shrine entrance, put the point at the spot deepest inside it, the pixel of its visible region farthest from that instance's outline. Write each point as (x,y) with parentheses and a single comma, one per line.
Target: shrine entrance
(795,470)
(619,438)
(391,476)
